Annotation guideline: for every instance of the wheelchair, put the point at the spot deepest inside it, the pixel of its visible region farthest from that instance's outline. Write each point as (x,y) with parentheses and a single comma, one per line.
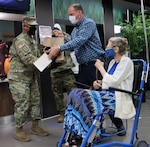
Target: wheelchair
(140,71)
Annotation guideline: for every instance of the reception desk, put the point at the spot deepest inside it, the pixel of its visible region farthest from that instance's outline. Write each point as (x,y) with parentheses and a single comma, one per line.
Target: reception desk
(48,105)
(6,103)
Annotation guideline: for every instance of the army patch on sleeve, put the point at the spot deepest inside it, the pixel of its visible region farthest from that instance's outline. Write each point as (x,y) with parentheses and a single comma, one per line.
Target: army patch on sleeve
(21,45)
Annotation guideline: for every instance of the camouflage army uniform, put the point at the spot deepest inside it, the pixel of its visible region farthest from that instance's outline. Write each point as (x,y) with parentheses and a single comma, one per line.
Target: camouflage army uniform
(22,77)
(62,78)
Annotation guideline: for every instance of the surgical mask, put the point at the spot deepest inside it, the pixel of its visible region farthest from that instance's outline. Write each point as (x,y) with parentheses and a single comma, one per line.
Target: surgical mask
(73,19)
(32,30)
(110,53)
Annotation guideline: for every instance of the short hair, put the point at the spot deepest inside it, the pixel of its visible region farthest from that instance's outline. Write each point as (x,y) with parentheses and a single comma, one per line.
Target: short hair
(121,42)
(77,6)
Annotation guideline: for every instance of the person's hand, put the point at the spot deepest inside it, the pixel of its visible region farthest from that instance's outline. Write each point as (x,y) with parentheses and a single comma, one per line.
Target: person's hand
(58,33)
(46,49)
(99,64)
(97,84)
(53,52)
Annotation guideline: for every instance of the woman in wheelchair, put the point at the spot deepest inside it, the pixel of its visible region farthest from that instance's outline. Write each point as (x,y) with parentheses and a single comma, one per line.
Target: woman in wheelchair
(84,104)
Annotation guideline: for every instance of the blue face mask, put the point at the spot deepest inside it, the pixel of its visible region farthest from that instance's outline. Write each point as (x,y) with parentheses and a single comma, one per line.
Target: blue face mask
(110,53)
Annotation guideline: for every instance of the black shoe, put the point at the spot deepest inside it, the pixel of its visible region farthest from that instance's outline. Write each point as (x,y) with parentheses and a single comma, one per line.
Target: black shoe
(122,131)
(75,140)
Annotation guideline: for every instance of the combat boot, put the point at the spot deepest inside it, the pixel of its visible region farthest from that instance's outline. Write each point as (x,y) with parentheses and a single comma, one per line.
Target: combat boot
(61,118)
(20,135)
(37,130)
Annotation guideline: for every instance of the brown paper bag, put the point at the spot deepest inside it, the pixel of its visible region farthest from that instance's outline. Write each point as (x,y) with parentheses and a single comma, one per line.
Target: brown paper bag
(54,42)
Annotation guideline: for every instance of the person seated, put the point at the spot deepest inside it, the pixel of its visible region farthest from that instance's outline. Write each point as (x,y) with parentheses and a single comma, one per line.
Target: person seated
(84,104)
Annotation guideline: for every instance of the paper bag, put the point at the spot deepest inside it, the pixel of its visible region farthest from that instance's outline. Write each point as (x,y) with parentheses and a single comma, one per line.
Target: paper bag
(54,42)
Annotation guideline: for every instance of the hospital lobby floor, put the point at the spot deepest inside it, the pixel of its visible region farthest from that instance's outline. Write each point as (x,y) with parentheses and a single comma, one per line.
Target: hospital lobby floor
(55,129)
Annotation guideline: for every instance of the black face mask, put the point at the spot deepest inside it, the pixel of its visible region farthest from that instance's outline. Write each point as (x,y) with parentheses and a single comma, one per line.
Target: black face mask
(32,30)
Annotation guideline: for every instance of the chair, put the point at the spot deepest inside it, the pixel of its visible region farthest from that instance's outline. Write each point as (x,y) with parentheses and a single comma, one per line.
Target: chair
(140,69)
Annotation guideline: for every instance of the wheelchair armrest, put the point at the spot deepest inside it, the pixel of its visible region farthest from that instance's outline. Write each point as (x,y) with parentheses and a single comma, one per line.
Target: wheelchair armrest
(111,88)
(126,91)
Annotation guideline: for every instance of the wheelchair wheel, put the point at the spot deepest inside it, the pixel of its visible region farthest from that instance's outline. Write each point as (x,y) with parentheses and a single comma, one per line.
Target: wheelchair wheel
(140,143)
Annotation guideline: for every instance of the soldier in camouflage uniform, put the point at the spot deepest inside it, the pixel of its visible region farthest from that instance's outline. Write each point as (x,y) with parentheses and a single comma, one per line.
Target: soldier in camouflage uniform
(62,78)
(23,81)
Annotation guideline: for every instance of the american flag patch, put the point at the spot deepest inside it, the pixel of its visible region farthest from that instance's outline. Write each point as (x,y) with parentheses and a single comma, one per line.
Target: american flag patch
(21,45)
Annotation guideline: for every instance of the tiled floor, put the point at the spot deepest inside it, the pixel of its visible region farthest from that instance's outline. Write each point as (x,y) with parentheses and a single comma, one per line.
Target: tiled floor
(55,130)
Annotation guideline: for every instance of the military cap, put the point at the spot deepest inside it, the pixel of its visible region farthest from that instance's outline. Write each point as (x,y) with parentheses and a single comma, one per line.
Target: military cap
(30,20)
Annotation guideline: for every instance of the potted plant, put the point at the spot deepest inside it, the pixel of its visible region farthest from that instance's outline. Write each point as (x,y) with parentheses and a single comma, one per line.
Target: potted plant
(134,32)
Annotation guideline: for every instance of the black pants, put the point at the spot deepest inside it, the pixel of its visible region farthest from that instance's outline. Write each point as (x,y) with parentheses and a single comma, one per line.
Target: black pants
(116,121)
(87,74)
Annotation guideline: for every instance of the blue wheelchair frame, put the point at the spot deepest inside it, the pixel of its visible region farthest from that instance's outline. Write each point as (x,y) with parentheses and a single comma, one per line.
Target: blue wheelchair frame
(134,141)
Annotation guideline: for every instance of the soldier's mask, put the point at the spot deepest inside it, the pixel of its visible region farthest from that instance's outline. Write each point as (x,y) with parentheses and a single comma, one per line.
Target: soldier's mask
(32,30)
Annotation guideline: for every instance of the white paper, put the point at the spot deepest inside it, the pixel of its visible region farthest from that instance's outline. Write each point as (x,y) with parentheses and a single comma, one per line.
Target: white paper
(44,31)
(42,62)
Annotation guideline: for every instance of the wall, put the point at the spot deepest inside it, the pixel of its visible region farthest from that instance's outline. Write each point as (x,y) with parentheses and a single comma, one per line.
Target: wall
(6,27)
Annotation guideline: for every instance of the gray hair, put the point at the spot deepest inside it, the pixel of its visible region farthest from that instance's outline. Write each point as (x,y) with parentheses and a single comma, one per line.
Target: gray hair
(121,42)
(77,6)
